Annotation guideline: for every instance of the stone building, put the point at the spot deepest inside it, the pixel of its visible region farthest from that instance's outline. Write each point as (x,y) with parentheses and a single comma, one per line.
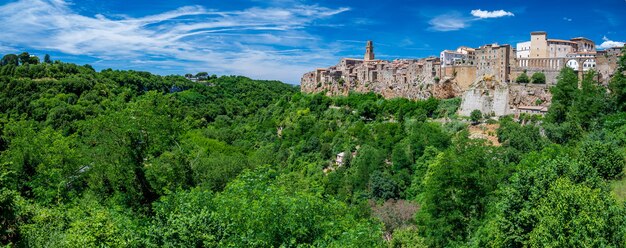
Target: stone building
(494,59)
(408,78)
(369,51)
(549,56)
(606,63)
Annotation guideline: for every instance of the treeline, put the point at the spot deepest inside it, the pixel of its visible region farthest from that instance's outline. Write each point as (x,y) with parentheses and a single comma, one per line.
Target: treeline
(132,159)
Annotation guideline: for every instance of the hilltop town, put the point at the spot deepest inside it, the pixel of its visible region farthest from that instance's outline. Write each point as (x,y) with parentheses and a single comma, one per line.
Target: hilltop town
(486,77)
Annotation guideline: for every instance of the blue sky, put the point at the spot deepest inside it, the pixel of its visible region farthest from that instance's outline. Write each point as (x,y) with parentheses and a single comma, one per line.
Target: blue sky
(282,39)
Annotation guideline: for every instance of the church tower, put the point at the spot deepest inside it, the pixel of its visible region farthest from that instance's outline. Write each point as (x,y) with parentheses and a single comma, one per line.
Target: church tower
(369,51)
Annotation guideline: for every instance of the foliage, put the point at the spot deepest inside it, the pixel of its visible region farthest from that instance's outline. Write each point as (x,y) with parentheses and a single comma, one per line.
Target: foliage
(517,218)
(521,138)
(538,78)
(456,191)
(407,238)
(604,157)
(522,78)
(257,210)
(476,115)
(132,159)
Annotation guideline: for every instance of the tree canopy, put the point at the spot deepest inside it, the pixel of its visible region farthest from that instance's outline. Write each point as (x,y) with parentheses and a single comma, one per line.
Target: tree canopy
(117,158)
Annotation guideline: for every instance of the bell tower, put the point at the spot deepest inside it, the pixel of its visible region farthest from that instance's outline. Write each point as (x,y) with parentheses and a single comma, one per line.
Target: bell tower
(369,51)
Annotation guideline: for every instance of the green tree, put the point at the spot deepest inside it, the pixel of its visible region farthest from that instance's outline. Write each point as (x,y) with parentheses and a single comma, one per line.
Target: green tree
(382,186)
(538,78)
(407,238)
(83,223)
(202,75)
(617,85)
(455,191)
(46,59)
(476,116)
(605,157)
(522,79)
(24,58)
(8,209)
(46,164)
(514,219)
(121,144)
(523,138)
(368,160)
(563,94)
(575,215)
(258,209)
(9,59)
(590,104)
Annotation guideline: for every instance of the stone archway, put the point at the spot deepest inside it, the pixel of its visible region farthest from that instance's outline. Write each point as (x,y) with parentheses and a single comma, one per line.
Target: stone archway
(572,63)
(578,65)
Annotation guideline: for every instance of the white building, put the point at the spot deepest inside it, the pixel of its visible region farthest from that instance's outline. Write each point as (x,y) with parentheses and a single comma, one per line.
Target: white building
(523,49)
(449,58)
(460,56)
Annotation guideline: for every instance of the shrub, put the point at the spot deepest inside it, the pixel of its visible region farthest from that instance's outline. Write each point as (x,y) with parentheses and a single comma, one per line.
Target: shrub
(475,116)
(538,78)
(522,79)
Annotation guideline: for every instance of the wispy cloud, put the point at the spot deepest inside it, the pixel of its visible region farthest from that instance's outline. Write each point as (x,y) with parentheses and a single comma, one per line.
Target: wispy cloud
(448,22)
(607,43)
(192,38)
(482,14)
(567,19)
(454,21)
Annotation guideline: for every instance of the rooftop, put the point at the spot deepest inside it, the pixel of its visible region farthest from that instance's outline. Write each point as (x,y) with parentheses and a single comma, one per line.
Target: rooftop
(559,40)
(536,108)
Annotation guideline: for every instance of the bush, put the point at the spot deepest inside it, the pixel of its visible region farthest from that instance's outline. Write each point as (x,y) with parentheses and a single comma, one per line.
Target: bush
(538,78)
(522,79)
(605,157)
(475,116)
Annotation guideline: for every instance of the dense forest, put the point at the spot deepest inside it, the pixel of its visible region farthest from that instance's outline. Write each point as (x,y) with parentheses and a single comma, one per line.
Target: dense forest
(131,159)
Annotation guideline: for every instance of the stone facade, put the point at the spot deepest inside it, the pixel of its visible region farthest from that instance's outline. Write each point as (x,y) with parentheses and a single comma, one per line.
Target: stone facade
(407,78)
(494,60)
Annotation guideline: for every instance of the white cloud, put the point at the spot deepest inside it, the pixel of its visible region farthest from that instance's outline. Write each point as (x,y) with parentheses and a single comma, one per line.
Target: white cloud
(567,19)
(607,43)
(482,14)
(448,22)
(455,21)
(190,38)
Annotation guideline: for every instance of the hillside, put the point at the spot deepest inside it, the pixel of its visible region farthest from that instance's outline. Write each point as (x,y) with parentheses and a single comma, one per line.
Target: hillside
(131,159)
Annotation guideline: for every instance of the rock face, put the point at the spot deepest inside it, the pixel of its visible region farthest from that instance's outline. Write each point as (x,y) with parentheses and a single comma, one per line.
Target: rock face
(486,95)
(529,95)
(492,97)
